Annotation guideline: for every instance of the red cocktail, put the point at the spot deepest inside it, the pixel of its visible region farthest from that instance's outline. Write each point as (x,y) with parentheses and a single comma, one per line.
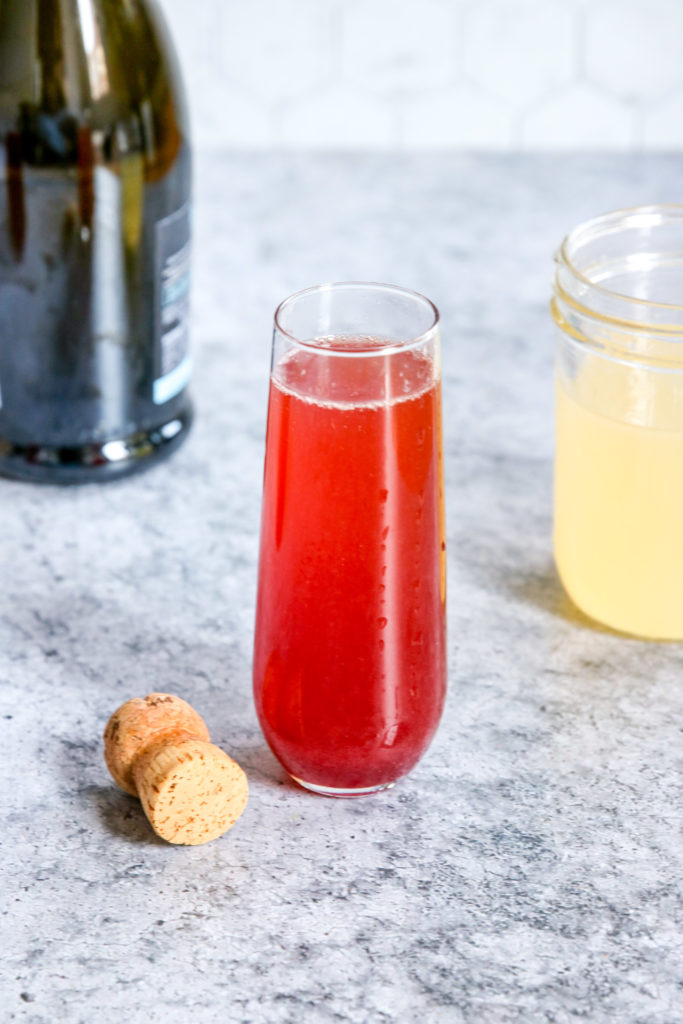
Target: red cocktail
(350,662)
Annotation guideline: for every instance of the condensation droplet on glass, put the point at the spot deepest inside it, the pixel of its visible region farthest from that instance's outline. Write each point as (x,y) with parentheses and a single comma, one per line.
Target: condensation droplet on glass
(385,532)
(381,622)
(383,495)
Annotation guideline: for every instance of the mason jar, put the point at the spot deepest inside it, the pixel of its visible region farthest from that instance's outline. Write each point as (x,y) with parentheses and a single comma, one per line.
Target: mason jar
(618,502)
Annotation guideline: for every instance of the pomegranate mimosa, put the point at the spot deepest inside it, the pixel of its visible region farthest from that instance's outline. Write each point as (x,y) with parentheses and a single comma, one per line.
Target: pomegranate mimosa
(350,663)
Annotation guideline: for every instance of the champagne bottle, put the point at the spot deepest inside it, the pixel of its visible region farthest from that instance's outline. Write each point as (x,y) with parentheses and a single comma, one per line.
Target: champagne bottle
(95,179)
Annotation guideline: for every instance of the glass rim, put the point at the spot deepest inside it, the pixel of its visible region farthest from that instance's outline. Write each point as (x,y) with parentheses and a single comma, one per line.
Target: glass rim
(382,349)
(608,223)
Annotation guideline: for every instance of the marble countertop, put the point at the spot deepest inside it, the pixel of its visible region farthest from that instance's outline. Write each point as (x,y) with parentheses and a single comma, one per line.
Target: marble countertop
(529,869)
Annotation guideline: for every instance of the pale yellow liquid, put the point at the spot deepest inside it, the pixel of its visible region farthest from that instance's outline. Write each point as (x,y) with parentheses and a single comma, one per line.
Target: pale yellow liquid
(619,497)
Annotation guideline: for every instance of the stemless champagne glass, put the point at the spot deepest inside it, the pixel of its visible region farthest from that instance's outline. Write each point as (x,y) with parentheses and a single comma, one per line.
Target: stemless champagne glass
(350,654)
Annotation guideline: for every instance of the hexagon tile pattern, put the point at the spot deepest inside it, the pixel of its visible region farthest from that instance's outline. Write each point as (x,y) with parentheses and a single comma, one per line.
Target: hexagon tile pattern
(429,74)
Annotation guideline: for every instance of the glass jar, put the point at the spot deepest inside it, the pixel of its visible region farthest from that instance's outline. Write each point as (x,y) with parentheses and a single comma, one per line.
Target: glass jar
(618,532)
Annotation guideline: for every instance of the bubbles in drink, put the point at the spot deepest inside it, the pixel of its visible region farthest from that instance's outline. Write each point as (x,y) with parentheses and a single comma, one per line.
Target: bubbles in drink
(378,375)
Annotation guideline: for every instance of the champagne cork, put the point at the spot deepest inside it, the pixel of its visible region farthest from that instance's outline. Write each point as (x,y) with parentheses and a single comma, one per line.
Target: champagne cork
(158,749)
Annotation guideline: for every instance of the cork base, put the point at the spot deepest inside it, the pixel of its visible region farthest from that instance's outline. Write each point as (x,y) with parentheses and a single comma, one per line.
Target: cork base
(191,791)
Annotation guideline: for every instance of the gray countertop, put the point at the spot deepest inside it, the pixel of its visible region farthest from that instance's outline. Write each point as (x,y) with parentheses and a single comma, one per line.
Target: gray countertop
(529,869)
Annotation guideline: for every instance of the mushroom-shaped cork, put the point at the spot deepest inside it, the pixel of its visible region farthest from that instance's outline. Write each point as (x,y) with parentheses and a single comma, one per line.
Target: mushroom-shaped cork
(158,749)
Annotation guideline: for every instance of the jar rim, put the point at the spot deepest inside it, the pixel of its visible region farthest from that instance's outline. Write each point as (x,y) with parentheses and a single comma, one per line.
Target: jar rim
(642,246)
(649,215)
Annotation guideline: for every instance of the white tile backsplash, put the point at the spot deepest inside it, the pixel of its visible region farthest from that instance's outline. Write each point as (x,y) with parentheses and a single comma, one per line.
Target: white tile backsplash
(634,49)
(398,48)
(520,49)
(423,74)
(340,117)
(663,124)
(277,49)
(461,117)
(578,117)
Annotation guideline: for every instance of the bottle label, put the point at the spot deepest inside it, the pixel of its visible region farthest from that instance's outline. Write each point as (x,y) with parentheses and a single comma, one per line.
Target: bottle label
(172,305)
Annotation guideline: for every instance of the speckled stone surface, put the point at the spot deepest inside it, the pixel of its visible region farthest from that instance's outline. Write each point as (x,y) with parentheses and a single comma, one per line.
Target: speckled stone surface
(529,870)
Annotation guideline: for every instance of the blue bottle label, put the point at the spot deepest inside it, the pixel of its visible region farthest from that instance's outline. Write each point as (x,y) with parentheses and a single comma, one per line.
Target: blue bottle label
(173,366)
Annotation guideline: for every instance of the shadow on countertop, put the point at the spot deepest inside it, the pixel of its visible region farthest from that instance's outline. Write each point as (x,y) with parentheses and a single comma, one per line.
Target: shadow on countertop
(122,815)
(543,588)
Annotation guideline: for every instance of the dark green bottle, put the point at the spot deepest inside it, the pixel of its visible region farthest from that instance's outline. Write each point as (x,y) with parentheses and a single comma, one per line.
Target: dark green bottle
(95,180)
